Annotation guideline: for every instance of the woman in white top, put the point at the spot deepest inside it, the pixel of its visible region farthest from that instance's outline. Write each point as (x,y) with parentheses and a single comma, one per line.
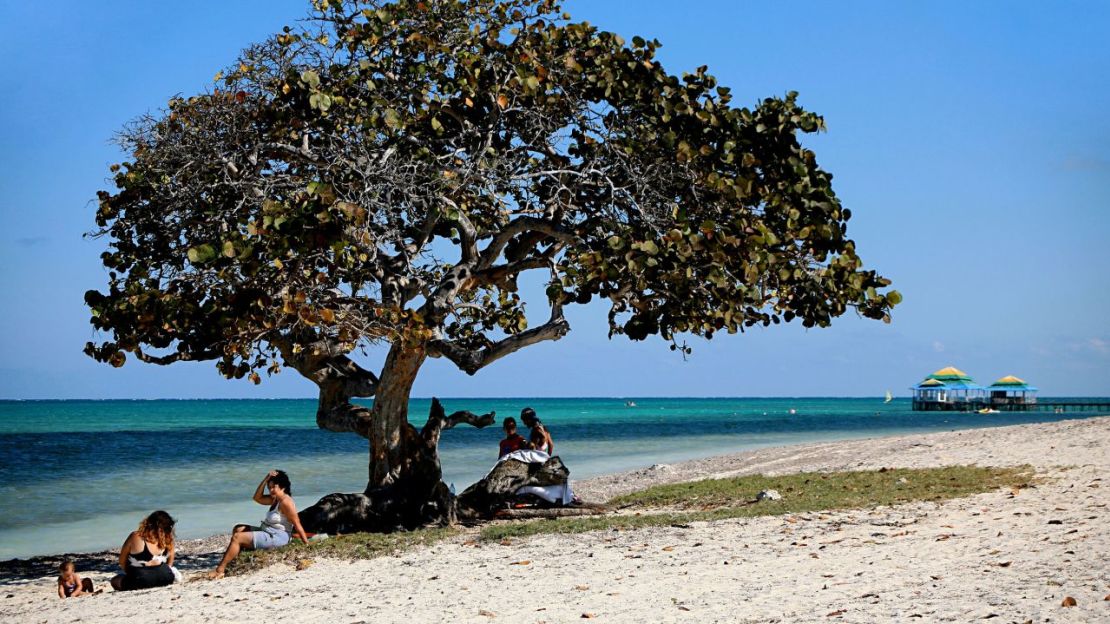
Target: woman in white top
(278,527)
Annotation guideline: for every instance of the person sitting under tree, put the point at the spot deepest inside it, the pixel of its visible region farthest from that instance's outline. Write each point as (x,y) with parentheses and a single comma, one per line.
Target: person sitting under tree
(281,524)
(528,416)
(513,441)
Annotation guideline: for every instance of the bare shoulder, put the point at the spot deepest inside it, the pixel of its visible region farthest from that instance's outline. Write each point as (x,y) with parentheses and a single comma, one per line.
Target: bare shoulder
(287,504)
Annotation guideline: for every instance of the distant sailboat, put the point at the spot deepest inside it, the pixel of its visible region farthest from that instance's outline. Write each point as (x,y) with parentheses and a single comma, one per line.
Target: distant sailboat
(889,397)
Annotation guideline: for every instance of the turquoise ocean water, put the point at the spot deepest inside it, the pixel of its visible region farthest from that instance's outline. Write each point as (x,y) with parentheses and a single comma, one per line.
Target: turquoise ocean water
(79,475)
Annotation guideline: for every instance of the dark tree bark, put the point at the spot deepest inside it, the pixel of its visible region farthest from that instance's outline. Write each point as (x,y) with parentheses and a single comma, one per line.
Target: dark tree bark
(406,488)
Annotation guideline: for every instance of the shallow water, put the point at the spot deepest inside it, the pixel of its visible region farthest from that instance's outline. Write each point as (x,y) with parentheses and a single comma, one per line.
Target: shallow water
(79,475)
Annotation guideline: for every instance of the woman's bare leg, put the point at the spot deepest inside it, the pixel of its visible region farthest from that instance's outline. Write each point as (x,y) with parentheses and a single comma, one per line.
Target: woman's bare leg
(241,537)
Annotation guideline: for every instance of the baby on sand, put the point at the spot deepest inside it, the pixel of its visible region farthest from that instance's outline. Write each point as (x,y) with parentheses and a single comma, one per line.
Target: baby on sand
(69,584)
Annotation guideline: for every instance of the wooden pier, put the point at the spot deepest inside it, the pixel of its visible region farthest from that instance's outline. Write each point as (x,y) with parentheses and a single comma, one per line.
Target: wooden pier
(1056,407)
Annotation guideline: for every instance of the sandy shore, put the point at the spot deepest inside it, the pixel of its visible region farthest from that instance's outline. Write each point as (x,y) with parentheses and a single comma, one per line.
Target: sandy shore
(998,556)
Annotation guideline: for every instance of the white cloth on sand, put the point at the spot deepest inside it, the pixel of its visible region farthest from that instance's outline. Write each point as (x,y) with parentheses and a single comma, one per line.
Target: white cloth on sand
(558,494)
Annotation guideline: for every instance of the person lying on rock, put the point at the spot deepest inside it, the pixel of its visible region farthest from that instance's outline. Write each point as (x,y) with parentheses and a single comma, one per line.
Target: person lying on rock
(278,527)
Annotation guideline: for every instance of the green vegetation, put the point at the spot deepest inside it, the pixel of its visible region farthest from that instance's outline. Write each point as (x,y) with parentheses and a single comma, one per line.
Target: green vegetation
(682,503)
(719,499)
(354,546)
(384,174)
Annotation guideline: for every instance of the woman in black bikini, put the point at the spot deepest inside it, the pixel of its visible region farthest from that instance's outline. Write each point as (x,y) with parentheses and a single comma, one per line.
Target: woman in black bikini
(147,554)
(528,416)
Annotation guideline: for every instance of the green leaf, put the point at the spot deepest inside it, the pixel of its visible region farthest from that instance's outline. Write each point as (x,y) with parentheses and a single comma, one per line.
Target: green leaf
(392,119)
(310,78)
(894,297)
(201,253)
(321,101)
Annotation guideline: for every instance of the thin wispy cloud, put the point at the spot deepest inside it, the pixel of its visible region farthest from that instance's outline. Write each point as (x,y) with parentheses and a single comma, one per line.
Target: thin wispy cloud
(1085,164)
(32,241)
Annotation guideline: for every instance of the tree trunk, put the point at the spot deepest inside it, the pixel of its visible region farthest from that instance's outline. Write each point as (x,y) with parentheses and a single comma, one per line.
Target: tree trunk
(391,435)
(404,488)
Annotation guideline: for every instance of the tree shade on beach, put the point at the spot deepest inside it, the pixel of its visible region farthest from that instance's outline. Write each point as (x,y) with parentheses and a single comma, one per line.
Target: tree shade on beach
(384,173)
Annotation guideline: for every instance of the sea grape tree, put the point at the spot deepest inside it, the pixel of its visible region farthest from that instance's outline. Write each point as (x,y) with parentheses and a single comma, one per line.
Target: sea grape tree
(384,173)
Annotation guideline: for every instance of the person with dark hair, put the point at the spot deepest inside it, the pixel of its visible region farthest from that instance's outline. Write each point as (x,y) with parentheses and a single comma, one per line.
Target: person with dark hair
(528,417)
(147,554)
(513,441)
(278,527)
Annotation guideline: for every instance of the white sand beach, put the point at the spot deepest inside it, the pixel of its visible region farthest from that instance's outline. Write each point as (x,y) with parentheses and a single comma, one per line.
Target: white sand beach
(1005,556)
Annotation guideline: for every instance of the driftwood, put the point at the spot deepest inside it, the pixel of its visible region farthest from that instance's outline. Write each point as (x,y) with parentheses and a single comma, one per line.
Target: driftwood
(552,512)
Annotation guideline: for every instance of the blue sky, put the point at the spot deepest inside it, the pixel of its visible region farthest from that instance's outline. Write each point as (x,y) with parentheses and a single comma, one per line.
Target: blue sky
(970,140)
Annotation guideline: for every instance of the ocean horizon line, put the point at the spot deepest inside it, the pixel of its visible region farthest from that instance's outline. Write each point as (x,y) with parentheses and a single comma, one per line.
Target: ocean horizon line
(506,398)
(468,398)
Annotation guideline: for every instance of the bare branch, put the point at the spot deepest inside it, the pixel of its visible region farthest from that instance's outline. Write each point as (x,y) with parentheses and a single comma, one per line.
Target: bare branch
(518,226)
(325,365)
(344,418)
(438,421)
(178,356)
(471,361)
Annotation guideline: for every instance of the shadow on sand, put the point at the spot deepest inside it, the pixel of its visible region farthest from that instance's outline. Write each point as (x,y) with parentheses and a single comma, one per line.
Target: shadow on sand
(22,571)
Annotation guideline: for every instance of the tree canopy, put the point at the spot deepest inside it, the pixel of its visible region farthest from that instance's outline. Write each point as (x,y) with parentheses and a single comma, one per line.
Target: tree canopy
(384,172)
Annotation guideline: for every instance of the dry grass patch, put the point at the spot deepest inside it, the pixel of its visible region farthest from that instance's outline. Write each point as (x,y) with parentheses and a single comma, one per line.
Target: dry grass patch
(718,499)
(682,503)
(354,546)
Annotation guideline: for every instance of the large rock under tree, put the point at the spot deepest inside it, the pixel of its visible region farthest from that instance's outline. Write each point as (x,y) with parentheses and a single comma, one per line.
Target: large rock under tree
(382,510)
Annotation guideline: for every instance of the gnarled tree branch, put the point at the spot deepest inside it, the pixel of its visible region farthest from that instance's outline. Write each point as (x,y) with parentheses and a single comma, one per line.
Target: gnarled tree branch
(471,361)
(521,225)
(439,421)
(180,356)
(339,378)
